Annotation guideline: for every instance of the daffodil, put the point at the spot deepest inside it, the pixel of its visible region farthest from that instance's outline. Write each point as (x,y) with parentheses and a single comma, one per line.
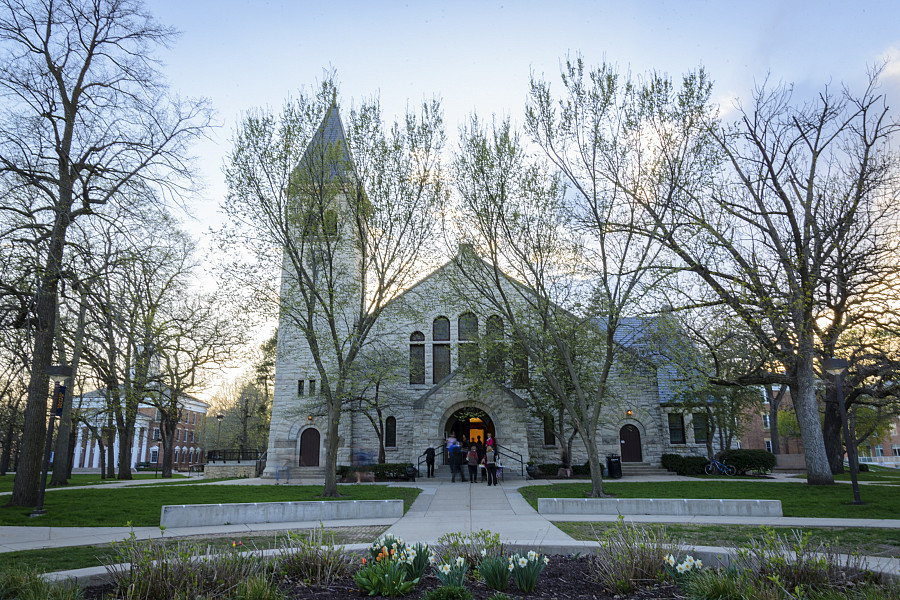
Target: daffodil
(460,561)
(546,560)
(483,552)
(445,568)
(523,562)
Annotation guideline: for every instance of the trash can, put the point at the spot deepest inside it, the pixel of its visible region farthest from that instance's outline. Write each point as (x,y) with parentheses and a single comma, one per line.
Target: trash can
(411,472)
(614,466)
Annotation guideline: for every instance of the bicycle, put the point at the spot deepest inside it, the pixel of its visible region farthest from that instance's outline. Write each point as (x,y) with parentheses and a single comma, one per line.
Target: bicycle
(715,467)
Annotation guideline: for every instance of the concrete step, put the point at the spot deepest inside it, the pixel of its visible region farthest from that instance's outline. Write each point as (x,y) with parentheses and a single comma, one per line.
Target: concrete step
(634,469)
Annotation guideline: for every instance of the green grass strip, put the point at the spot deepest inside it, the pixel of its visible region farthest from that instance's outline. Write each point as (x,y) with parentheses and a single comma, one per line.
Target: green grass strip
(141,505)
(797,499)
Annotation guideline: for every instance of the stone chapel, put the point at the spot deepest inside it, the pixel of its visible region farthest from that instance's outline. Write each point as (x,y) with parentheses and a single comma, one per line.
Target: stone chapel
(431,326)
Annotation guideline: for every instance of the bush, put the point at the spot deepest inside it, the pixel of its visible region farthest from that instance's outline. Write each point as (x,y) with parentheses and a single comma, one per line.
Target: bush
(863,468)
(669,461)
(585,470)
(691,465)
(313,558)
(494,570)
(630,557)
(760,461)
(154,570)
(382,472)
(468,546)
(448,593)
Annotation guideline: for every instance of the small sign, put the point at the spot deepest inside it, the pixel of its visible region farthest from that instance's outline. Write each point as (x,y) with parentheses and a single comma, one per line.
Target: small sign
(59,400)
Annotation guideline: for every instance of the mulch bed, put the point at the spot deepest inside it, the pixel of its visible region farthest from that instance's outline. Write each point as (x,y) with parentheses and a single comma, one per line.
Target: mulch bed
(564,578)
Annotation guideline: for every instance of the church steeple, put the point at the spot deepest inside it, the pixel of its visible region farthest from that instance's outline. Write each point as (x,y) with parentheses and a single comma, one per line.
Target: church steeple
(328,153)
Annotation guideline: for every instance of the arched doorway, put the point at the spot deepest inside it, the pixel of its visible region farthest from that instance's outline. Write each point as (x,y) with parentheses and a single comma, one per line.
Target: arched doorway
(309,448)
(630,438)
(470,424)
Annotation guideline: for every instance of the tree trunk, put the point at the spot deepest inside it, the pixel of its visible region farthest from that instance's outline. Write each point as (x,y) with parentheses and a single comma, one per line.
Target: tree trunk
(803,393)
(774,405)
(101,449)
(596,468)
(168,440)
(331,448)
(832,432)
(73,440)
(7,447)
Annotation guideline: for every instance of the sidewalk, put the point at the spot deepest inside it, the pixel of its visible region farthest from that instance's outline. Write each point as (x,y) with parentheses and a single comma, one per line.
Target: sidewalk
(442,507)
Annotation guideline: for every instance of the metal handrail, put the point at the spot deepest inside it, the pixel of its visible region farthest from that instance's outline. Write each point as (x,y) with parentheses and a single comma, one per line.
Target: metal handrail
(233,454)
(507,452)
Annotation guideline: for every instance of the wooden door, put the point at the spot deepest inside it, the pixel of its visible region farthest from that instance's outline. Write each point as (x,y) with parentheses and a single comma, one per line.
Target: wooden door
(630,439)
(309,448)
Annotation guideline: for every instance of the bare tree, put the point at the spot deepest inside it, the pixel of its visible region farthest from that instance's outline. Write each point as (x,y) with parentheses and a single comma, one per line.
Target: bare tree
(353,215)
(86,119)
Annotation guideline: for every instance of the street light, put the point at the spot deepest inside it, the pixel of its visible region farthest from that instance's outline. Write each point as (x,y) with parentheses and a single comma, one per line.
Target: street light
(219,418)
(58,375)
(837,367)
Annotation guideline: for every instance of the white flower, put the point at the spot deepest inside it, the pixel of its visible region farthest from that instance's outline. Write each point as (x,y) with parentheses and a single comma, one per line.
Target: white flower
(689,560)
(483,552)
(523,562)
(445,568)
(699,564)
(532,555)
(411,553)
(460,561)
(546,560)
(510,566)
(680,568)
(670,559)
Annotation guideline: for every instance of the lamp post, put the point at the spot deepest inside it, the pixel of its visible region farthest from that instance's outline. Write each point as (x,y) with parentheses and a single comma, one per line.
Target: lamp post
(837,367)
(58,375)
(219,418)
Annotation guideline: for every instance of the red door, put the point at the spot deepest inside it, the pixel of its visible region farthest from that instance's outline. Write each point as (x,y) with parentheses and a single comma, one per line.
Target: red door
(309,448)
(630,439)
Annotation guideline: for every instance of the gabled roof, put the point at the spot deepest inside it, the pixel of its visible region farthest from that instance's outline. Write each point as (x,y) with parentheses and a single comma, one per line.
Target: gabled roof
(517,400)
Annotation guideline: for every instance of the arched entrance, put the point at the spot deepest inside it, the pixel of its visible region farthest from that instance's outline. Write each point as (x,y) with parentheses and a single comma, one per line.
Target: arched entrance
(630,438)
(309,448)
(469,424)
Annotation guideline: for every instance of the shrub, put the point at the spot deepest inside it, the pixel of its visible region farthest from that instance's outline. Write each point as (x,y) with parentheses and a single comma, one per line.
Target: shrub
(629,557)
(691,465)
(863,468)
(313,558)
(154,570)
(526,569)
(18,583)
(467,545)
(669,461)
(796,561)
(585,470)
(495,571)
(760,461)
(382,471)
(448,593)
(499,596)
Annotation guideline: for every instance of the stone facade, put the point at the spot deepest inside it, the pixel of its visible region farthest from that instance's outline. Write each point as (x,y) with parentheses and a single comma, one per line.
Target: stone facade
(434,325)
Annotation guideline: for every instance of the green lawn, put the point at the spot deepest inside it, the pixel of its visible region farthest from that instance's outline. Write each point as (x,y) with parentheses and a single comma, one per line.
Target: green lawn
(868,541)
(6,482)
(797,499)
(76,557)
(141,505)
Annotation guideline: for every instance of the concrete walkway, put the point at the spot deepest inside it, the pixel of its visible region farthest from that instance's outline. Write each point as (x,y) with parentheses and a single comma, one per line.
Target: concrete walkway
(441,508)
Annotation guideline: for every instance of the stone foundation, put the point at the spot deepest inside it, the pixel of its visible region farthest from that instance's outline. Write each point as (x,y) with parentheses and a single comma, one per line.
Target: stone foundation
(213,471)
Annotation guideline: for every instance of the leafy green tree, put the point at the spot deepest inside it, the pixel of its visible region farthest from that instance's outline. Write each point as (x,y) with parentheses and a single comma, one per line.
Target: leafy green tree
(353,216)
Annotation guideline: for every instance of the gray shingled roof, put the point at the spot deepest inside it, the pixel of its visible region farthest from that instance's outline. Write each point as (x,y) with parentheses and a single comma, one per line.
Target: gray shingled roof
(328,147)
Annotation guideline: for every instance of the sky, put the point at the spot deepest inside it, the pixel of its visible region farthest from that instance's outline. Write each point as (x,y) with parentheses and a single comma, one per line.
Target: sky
(479,56)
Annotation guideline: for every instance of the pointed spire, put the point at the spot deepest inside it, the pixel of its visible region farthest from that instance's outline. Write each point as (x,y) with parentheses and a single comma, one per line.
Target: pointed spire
(328,149)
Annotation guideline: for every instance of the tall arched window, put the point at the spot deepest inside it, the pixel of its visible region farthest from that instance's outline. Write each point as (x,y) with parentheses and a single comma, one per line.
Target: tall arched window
(468,335)
(390,432)
(417,357)
(440,335)
(175,456)
(496,349)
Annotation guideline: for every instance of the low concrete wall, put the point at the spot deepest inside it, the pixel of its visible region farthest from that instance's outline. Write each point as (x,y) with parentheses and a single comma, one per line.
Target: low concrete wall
(197,515)
(661,506)
(219,471)
(790,463)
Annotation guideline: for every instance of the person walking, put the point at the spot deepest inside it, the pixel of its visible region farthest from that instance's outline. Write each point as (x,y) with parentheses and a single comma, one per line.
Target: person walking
(456,458)
(429,460)
(472,460)
(490,465)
